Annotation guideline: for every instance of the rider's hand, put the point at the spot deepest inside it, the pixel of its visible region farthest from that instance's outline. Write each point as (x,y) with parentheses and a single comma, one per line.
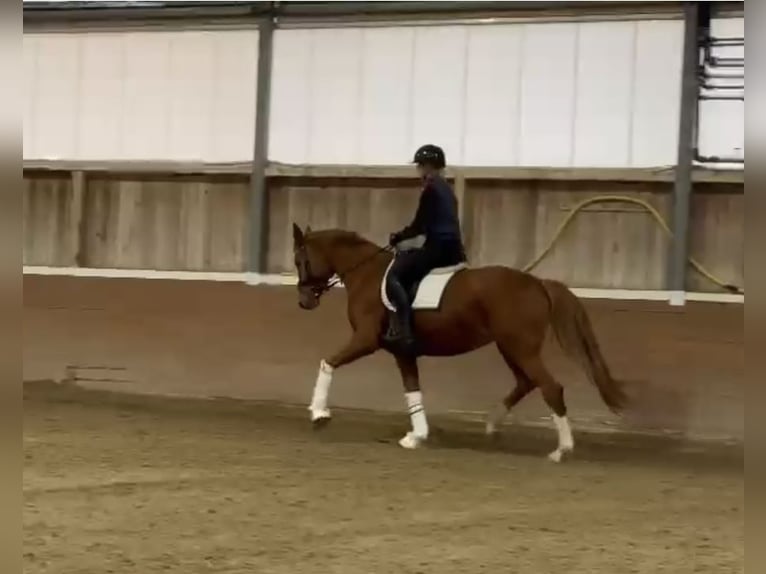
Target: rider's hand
(394,239)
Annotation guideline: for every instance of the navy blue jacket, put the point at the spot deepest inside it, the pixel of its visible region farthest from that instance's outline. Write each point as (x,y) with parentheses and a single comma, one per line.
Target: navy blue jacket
(437,214)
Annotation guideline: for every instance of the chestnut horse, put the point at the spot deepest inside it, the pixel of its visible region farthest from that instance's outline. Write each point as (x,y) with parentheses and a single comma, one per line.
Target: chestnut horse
(480,305)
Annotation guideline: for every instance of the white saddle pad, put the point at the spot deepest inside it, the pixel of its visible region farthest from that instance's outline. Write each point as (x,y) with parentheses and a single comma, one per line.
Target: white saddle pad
(430,290)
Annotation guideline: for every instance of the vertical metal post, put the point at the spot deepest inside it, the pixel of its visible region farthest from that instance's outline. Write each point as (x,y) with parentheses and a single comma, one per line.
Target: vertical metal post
(259,207)
(679,251)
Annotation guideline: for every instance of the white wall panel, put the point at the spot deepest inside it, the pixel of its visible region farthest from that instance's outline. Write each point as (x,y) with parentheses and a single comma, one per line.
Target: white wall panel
(291,91)
(185,95)
(386,106)
(722,129)
(57,96)
(604,94)
(493,120)
(191,80)
(234,84)
(538,94)
(335,72)
(657,92)
(147,88)
(438,93)
(542,94)
(547,94)
(30,95)
(101,96)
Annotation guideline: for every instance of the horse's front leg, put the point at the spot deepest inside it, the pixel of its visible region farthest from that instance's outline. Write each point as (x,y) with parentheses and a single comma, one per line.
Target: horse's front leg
(408,367)
(362,343)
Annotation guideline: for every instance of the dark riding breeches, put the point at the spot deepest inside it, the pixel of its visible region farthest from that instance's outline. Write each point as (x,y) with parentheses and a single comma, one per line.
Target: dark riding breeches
(413,265)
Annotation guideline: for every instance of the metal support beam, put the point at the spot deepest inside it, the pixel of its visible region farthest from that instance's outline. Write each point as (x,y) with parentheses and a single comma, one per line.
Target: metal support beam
(259,207)
(679,250)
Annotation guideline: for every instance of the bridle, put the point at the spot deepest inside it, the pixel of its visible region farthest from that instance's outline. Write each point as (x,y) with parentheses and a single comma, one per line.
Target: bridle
(319,287)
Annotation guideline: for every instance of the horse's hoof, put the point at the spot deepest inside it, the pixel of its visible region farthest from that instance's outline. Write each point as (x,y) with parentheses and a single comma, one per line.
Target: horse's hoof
(558,454)
(320,423)
(320,418)
(494,438)
(410,441)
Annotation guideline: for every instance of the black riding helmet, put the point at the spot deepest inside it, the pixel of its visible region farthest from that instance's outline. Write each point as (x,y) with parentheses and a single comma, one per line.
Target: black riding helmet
(430,154)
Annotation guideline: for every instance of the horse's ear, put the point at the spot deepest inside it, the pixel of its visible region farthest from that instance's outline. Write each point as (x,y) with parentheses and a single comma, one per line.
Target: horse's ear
(297,234)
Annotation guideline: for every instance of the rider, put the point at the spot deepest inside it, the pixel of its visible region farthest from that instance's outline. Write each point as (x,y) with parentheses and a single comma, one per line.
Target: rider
(437,219)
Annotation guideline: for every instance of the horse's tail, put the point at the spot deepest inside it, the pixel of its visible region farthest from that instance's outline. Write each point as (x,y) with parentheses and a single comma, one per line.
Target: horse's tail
(575,334)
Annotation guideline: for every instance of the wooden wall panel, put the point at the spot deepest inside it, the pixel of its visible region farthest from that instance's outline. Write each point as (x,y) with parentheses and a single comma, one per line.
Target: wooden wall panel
(717,234)
(179,224)
(199,222)
(50,220)
(369,207)
(605,245)
(609,245)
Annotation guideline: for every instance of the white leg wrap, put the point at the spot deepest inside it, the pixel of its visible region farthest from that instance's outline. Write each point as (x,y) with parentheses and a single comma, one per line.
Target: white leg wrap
(318,406)
(419,431)
(566,442)
(496,418)
(417,413)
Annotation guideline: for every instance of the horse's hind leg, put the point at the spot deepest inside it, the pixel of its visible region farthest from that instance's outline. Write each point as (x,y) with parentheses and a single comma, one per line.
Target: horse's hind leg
(553,393)
(524,386)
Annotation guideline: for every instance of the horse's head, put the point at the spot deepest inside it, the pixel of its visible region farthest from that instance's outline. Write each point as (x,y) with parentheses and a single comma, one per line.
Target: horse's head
(314,269)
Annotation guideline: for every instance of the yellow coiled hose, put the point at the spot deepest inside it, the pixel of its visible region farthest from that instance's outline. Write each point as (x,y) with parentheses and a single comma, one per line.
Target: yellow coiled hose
(652,211)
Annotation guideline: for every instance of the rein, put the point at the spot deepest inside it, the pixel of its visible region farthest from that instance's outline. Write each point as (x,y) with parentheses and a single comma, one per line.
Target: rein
(319,288)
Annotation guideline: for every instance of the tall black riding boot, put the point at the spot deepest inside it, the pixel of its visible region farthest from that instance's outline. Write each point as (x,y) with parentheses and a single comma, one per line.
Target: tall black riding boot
(404,339)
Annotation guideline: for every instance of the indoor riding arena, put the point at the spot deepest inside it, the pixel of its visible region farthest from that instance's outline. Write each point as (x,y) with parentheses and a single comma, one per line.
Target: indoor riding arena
(168,368)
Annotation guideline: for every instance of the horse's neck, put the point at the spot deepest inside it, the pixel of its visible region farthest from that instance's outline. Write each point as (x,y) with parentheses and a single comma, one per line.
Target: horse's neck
(355,262)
